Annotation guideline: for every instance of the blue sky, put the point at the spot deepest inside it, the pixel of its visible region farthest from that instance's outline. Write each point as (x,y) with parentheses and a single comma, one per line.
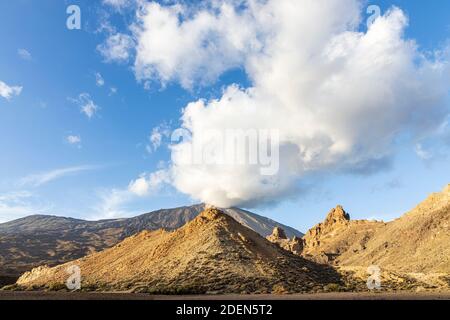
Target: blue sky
(56,159)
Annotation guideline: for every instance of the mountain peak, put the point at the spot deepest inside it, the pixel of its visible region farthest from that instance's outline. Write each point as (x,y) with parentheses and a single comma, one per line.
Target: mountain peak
(88,236)
(212,253)
(337,215)
(210,216)
(212,213)
(278,233)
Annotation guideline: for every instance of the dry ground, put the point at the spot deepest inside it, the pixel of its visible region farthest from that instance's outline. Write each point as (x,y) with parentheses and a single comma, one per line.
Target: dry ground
(16,295)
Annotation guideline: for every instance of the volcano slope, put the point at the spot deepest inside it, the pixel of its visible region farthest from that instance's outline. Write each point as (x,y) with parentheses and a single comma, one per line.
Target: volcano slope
(211,254)
(38,240)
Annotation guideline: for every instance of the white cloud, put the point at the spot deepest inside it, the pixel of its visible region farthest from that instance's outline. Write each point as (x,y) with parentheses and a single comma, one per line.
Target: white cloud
(99,81)
(172,46)
(157,136)
(8,92)
(74,139)
(105,26)
(339,97)
(118,203)
(117,4)
(149,182)
(37,180)
(113,204)
(435,146)
(155,139)
(116,48)
(422,153)
(19,204)
(24,54)
(112,91)
(86,104)
(139,186)
(15,196)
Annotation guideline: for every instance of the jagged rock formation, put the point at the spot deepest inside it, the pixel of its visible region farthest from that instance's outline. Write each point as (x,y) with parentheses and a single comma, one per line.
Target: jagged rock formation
(277,234)
(327,240)
(337,219)
(37,240)
(337,234)
(294,245)
(418,242)
(212,253)
(337,216)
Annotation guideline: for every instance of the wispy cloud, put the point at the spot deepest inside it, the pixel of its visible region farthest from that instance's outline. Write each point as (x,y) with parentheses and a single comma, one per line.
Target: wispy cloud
(120,5)
(156,137)
(74,140)
(86,104)
(15,205)
(149,182)
(120,202)
(422,153)
(112,91)
(99,81)
(36,180)
(117,48)
(24,54)
(113,204)
(8,92)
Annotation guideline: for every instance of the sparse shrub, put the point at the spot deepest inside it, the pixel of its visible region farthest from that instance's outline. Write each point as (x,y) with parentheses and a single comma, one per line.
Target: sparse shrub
(279,289)
(187,290)
(332,287)
(89,287)
(11,287)
(57,286)
(33,287)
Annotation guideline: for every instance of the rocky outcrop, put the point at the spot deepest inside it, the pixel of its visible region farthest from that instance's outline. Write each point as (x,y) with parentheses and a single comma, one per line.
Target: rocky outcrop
(336,219)
(34,274)
(417,242)
(277,234)
(326,241)
(337,216)
(294,245)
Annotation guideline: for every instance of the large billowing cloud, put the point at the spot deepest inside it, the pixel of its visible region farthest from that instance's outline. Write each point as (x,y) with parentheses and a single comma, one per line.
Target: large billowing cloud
(340,98)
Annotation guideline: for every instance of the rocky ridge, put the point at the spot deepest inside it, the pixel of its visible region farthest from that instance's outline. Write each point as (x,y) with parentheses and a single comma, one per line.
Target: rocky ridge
(213,253)
(39,240)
